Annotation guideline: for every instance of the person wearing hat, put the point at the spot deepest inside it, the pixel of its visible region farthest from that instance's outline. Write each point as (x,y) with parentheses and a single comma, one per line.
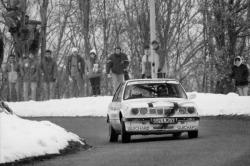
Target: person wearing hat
(75,68)
(240,76)
(13,71)
(117,64)
(156,65)
(94,74)
(48,72)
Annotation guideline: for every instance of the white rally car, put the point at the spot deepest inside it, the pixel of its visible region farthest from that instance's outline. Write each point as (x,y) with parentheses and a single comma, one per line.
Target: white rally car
(151,106)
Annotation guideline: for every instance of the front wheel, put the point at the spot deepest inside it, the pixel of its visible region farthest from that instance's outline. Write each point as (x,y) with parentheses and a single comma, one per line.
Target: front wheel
(126,137)
(113,136)
(193,134)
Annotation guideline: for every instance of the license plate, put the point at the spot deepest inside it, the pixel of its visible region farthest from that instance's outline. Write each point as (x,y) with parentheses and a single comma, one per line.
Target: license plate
(164,120)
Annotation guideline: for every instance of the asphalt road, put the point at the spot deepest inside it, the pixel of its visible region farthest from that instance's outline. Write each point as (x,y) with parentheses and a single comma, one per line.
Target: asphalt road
(221,142)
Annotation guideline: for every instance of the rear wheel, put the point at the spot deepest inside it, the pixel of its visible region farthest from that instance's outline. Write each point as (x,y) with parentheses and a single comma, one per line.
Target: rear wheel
(193,134)
(126,137)
(113,136)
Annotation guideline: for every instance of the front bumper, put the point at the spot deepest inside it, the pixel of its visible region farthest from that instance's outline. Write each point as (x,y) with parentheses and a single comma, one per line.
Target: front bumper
(146,126)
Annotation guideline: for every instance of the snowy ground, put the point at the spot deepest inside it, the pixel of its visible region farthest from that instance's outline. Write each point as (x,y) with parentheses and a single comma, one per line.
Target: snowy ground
(208,104)
(32,138)
(20,138)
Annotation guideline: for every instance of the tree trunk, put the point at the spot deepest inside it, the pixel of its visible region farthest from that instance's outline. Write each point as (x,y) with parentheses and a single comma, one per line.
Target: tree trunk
(43,13)
(85,15)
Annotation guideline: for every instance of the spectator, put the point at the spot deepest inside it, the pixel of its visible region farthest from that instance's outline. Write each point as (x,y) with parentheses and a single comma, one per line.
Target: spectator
(95,73)
(240,76)
(156,60)
(75,71)
(147,63)
(117,63)
(13,70)
(30,74)
(48,71)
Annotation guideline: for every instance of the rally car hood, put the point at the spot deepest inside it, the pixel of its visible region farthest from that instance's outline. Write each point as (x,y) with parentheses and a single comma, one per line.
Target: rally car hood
(157,102)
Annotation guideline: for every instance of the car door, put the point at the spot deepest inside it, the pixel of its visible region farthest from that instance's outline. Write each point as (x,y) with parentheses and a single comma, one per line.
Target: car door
(116,106)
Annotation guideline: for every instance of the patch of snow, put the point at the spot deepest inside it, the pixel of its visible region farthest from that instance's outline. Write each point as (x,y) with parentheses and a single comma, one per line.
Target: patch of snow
(20,138)
(219,104)
(86,106)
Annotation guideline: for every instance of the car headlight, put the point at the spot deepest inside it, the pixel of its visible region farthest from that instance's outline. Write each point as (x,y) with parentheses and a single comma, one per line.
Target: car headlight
(135,111)
(187,110)
(143,111)
(160,111)
(191,110)
(183,110)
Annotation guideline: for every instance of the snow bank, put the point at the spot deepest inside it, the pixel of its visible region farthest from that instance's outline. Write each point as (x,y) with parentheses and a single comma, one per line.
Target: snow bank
(20,138)
(208,104)
(86,106)
(218,104)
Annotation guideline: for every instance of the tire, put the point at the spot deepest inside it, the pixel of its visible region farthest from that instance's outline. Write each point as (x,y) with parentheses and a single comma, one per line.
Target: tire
(193,134)
(176,135)
(126,137)
(113,136)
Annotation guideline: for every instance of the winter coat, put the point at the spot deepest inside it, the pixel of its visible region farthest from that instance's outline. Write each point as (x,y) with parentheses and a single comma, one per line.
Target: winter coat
(95,68)
(240,74)
(30,70)
(117,63)
(147,62)
(79,66)
(48,69)
(13,70)
(159,61)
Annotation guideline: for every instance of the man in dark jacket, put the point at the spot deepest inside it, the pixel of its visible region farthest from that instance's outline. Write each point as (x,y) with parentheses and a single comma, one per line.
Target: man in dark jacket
(240,76)
(117,64)
(48,71)
(75,70)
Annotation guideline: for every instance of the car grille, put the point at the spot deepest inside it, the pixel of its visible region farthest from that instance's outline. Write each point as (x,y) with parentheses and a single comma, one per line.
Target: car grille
(161,111)
(152,111)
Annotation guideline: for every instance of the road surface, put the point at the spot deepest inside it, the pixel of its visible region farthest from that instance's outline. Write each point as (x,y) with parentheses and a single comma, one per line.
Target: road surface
(222,142)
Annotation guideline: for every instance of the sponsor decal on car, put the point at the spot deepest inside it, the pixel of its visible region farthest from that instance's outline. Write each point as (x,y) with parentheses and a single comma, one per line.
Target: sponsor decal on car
(138,128)
(186,127)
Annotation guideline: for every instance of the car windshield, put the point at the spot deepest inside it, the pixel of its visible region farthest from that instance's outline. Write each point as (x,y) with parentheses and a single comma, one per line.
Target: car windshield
(154,90)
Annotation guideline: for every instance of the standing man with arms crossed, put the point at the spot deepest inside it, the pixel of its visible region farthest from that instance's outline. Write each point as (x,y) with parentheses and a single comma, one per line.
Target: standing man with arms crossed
(75,70)
(117,63)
